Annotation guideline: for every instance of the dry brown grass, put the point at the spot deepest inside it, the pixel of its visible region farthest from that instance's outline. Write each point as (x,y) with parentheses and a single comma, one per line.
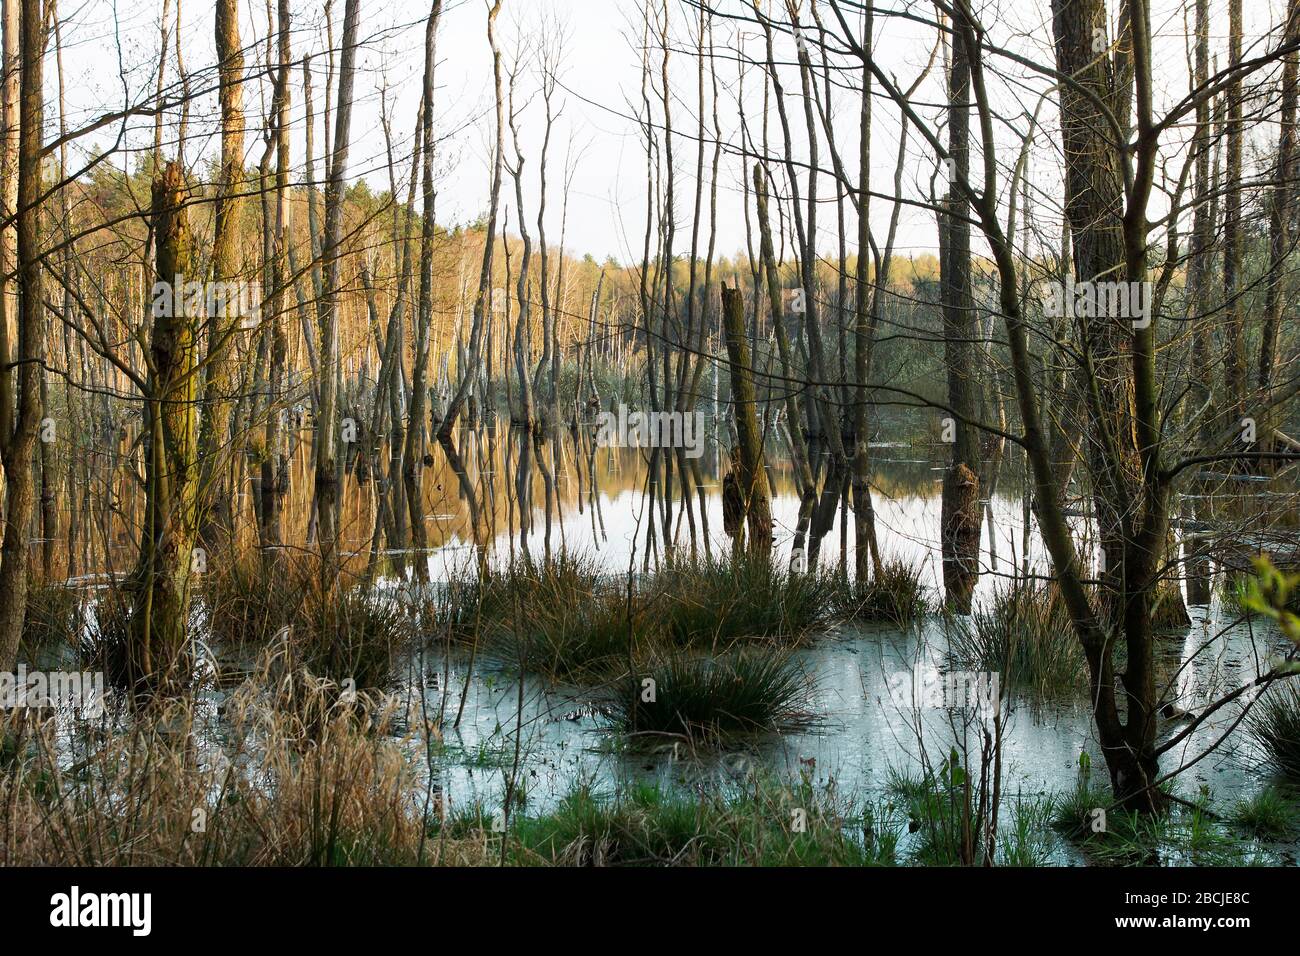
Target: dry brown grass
(321,783)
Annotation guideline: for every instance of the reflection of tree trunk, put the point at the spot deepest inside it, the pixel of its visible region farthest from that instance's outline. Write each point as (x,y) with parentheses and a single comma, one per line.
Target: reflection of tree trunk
(960,517)
(468,492)
(753,479)
(548,484)
(823,516)
(524,486)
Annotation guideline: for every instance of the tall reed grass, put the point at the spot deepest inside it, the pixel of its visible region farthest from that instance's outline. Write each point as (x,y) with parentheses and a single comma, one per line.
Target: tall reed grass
(1025,634)
(319,783)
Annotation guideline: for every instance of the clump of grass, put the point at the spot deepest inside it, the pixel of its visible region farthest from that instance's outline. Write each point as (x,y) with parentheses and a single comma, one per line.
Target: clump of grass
(1075,813)
(562,618)
(557,585)
(1181,835)
(350,636)
(556,616)
(1026,635)
(894,596)
(939,814)
(768,824)
(641,827)
(1185,832)
(712,601)
(54,615)
(135,795)
(586,645)
(347,634)
(958,817)
(1269,815)
(105,644)
(1027,840)
(248,602)
(706,698)
(1274,723)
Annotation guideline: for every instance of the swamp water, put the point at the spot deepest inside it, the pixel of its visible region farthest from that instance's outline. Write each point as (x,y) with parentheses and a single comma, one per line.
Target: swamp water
(864,734)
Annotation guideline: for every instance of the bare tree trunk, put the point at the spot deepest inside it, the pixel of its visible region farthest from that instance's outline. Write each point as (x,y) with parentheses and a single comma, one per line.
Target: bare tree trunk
(18,440)
(523,283)
(275,464)
(415,427)
(866,551)
(1234,358)
(327,424)
(162,578)
(804,479)
(1280,220)
(960,517)
(11,93)
(1110,241)
(214,434)
(467,374)
(1200,274)
(752,477)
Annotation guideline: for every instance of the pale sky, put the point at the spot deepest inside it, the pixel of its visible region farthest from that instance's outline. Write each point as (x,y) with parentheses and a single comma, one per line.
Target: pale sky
(111,51)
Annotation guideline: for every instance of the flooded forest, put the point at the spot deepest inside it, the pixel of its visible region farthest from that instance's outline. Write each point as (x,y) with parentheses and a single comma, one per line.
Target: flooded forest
(650,433)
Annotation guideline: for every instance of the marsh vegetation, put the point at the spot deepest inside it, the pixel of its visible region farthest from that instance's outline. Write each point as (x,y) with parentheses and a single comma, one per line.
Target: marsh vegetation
(900,472)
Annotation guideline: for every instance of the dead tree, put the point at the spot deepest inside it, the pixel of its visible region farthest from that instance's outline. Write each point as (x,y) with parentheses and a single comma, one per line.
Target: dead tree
(327,424)
(960,512)
(753,477)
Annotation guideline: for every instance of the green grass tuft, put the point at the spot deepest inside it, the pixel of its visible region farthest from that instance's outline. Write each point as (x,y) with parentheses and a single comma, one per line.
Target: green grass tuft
(896,596)
(1026,635)
(1274,723)
(1268,815)
(701,698)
